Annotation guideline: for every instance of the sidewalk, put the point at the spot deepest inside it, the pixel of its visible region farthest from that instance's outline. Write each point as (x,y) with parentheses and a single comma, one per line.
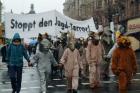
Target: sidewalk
(2,65)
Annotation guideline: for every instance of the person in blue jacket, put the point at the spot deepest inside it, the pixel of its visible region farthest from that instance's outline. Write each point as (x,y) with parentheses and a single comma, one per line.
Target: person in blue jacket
(15,53)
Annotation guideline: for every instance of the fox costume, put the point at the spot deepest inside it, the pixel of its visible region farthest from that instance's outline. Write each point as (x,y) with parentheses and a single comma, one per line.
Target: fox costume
(124,63)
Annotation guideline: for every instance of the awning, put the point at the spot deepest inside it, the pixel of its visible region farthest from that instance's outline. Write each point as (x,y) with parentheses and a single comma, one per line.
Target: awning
(135,44)
(135,34)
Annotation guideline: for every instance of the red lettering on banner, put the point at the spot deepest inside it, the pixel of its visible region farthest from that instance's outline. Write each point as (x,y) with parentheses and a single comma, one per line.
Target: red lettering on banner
(134,26)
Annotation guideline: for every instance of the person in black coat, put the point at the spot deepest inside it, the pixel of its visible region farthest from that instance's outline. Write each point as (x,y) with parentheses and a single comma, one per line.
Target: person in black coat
(5,75)
(3,53)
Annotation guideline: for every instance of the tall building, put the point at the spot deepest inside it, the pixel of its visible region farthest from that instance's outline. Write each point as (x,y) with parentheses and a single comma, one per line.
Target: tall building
(32,11)
(103,11)
(124,14)
(84,9)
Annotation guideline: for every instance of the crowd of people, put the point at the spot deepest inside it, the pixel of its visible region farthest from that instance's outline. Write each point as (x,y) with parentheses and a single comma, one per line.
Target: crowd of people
(71,56)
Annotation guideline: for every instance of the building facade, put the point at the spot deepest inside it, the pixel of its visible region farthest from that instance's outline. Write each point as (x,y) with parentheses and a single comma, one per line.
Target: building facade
(0,10)
(1,25)
(120,12)
(103,11)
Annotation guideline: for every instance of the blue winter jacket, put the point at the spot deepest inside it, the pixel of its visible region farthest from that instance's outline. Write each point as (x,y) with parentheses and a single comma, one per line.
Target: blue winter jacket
(15,53)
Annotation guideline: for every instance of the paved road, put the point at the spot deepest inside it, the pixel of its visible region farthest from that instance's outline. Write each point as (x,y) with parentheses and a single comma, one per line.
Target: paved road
(31,83)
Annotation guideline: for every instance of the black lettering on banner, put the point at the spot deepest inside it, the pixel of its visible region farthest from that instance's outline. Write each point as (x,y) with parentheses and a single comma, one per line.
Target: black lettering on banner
(34,23)
(29,26)
(56,21)
(16,24)
(78,28)
(71,26)
(88,28)
(66,25)
(50,23)
(22,25)
(61,24)
(83,29)
(44,23)
(41,23)
(12,22)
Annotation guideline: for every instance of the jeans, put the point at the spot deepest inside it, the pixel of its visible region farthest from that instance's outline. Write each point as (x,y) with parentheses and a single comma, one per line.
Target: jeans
(15,74)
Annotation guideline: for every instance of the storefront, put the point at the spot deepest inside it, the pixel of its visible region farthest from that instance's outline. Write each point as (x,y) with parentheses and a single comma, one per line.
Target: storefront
(1,34)
(133,30)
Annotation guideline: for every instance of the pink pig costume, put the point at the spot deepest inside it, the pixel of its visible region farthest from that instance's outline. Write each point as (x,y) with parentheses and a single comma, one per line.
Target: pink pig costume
(94,57)
(71,62)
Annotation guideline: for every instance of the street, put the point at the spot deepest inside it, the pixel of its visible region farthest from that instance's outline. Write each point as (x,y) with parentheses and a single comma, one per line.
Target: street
(94,41)
(31,84)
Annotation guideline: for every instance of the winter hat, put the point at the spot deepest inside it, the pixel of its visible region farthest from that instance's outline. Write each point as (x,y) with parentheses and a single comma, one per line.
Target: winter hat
(16,37)
(124,41)
(117,34)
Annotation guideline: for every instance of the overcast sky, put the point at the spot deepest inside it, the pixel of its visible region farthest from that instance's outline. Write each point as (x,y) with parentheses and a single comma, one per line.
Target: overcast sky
(19,6)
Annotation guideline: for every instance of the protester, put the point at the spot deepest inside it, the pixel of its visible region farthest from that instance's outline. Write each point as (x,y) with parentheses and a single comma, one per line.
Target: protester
(83,59)
(94,56)
(4,53)
(44,59)
(61,48)
(4,60)
(107,58)
(124,64)
(118,34)
(39,39)
(15,54)
(72,64)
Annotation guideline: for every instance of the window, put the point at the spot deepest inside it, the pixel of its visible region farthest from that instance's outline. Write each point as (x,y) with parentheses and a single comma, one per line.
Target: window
(99,3)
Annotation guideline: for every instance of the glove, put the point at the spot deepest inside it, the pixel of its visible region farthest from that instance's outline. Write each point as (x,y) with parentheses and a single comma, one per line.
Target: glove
(30,64)
(60,65)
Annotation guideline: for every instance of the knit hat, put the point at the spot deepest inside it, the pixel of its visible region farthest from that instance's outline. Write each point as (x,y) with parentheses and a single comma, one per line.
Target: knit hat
(118,34)
(124,41)
(16,37)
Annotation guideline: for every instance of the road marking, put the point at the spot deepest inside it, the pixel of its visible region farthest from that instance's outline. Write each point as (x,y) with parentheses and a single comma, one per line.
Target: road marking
(107,82)
(33,81)
(85,84)
(5,90)
(138,73)
(56,79)
(4,68)
(135,79)
(34,87)
(61,85)
(5,83)
(37,87)
(101,82)
(112,75)
(50,86)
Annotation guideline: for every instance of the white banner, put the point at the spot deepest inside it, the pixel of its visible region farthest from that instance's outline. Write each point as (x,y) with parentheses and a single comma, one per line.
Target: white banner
(52,22)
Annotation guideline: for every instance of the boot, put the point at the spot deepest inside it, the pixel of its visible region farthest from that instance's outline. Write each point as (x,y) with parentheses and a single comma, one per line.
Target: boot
(69,91)
(13,91)
(74,91)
